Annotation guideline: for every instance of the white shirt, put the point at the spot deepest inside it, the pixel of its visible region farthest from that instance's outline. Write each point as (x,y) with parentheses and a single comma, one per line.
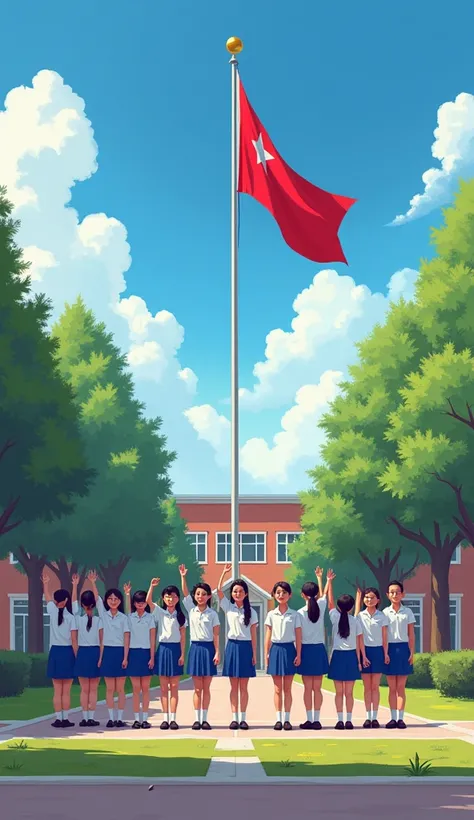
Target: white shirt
(167,626)
(313,633)
(372,626)
(115,627)
(234,615)
(60,635)
(283,625)
(201,624)
(355,629)
(140,628)
(398,623)
(84,637)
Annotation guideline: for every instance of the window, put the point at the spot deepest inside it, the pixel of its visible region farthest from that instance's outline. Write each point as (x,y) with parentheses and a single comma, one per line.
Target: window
(415,603)
(19,625)
(223,548)
(284,539)
(456,556)
(252,547)
(198,541)
(13,560)
(455,620)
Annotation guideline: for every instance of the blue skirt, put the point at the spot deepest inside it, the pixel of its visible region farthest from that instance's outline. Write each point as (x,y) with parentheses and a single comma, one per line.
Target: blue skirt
(138,660)
(61,661)
(314,660)
(238,660)
(344,665)
(375,655)
(166,662)
(86,662)
(398,654)
(111,666)
(201,659)
(282,660)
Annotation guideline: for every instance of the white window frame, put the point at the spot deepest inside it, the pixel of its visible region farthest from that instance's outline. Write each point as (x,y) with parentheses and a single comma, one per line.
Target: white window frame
(244,532)
(200,532)
(299,533)
(13,560)
(418,596)
(17,596)
(457,597)
(456,556)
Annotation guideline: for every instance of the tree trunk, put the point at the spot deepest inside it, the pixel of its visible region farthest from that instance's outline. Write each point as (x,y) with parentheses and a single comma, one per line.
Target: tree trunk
(6,515)
(111,572)
(440,618)
(382,569)
(33,566)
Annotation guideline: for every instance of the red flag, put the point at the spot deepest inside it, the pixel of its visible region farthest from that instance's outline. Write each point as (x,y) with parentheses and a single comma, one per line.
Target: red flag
(308,217)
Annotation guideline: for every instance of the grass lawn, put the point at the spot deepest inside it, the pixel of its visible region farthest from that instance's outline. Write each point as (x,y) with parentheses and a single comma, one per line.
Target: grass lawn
(330,758)
(106,758)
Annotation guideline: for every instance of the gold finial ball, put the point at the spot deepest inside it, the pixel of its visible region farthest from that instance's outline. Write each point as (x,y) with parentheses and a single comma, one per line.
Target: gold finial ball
(234,45)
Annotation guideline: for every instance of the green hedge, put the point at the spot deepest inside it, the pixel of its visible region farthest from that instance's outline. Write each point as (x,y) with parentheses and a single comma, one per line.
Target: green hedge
(453,673)
(422,677)
(14,673)
(38,677)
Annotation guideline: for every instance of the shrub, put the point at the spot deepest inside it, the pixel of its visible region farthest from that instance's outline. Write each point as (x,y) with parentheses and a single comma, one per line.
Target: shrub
(38,668)
(422,677)
(14,673)
(453,673)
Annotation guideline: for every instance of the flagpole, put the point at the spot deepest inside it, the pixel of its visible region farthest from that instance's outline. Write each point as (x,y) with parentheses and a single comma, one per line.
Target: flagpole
(234,46)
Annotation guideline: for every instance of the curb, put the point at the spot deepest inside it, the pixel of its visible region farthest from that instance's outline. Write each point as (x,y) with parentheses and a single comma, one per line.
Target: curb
(206,781)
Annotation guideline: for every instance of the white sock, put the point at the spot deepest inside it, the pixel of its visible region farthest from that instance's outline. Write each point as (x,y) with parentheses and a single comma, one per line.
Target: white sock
(316,715)
(120,714)
(84,715)
(309,715)
(278,717)
(401,713)
(287,717)
(65,714)
(340,716)
(173,716)
(374,714)
(59,715)
(204,715)
(136,715)
(393,713)
(369,714)
(91,715)
(243,716)
(197,715)
(235,716)
(145,716)
(111,714)
(349,717)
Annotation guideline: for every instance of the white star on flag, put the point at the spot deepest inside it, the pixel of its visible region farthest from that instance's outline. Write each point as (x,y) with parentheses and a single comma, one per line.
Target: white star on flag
(262,155)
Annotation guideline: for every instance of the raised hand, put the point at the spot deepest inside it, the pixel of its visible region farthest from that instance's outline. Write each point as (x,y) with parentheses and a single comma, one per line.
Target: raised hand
(227,568)
(75,579)
(155,582)
(318,572)
(127,588)
(92,576)
(182,570)
(330,575)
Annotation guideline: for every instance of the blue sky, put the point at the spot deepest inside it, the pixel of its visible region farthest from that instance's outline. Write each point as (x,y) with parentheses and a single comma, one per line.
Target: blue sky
(349,96)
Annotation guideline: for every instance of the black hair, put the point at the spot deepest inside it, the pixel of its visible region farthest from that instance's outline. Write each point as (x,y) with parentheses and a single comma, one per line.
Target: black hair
(284,585)
(88,602)
(59,596)
(239,582)
(395,584)
(118,594)
(311,590)
(201,585)
(179,612)
(139,597)
(344,604)
(375,592)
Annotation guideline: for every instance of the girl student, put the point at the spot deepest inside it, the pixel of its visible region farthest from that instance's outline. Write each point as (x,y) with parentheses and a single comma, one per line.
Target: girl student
(241,648)
(374,632)
(116,644)
(282,651)
(62,650)
(90,640)
(204,651)
(401,648)
(348,653)
(169,660)
(141,658)
(314,659)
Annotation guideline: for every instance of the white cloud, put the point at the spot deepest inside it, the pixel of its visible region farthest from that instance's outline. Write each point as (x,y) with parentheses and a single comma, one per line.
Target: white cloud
(213,428)
(453,147)
(39,261)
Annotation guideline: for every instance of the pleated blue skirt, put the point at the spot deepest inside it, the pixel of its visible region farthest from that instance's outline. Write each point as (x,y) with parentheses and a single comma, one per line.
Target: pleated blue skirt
(398,654)
(344,665)
(238,660)
(61,662)
(282,660)
(375,655)
(86,662)
(166,661)
(314,660)
(111,666)
(201,659)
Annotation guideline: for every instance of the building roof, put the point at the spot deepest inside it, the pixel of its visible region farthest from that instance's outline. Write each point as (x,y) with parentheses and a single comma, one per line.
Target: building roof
(243,499)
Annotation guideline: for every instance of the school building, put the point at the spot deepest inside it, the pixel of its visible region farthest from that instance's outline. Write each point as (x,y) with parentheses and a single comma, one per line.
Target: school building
(268,525)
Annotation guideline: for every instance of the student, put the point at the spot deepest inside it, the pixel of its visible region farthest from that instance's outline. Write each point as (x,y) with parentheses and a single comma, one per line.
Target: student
(241,648)
(116,644)
(348,653)
(374,632)
(62,650)
(141,658)
(282,651)
(204,651)
(90,639)
(401,648)
(314,658)
(169,660)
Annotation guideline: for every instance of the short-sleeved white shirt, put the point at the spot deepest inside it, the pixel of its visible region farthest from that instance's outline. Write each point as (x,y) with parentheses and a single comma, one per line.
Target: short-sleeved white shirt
(236,628)
(84,637)
(167,626)
(398,623)
(344,644)
(114,627)
(201,624)
(60,635)
(372,626)
(313,633)
(140,628)
(283,625)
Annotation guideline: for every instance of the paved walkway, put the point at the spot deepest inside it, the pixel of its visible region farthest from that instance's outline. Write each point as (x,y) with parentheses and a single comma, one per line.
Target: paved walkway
(260,716)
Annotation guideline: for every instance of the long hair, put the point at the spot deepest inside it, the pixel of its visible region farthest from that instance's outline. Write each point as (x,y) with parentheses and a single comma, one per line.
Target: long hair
(201,585)
(375,592)
(311,590)
(179,612)
(59,596)
(239,582)
(344,604)
(88,602)
(284,585)
(139,597)
(118,594)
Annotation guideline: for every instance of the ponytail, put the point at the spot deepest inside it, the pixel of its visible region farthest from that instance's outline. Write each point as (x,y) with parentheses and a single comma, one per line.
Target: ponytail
(311,590)
(247,611)
(59,596)
(60,616)
(89,622)
(344,604)
(180,616)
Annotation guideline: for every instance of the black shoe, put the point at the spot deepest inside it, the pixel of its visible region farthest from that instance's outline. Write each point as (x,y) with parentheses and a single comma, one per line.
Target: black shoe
(278,726)
(120,724)
(146,725)
(367,724)
(306,725)
(243,725)
(205,725)
(348,724)
(339,725)
(136,724)
(174,725)
(287,726)
(83,723)
(58,724)
(165,725)
(401,724)
(66,724)
(375,724)
(392,724)
(92,722)
(110,724)
(234,725)
(196,725)
(316,725)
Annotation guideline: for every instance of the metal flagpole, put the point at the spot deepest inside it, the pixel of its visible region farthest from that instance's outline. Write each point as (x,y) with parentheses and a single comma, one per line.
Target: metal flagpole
(234,46)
